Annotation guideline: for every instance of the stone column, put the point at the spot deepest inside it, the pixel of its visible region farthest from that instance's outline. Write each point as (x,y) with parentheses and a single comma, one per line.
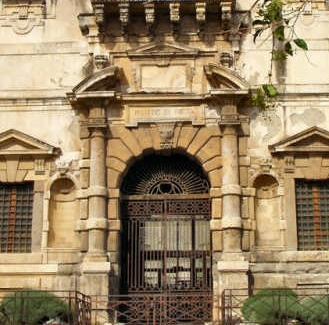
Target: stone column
(232,268)
(95,268)
(231,191)
(97,223)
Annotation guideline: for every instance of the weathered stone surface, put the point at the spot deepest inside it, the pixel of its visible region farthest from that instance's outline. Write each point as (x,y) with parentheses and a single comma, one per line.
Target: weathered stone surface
(82,99)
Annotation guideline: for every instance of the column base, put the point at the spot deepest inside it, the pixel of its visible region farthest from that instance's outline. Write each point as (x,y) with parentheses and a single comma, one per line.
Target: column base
(95,257)
(232,257)
(232,274)
(94,281)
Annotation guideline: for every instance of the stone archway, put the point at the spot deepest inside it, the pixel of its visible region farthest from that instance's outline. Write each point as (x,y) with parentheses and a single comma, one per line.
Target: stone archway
(166,238)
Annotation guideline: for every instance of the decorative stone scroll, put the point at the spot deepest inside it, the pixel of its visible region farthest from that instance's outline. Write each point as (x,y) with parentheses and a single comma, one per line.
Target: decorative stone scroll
(136,115)
(24,15)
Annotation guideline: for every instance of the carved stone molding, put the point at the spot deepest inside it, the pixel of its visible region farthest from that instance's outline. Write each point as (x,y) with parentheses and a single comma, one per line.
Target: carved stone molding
(226,7)
(226,59)
(101,61)
(124,15)
(312,142)
(23,15)
(149,8)
(174,14)
(166,131)
(200,8)
(24,157)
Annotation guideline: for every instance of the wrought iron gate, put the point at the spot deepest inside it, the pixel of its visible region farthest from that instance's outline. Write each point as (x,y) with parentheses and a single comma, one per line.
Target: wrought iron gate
(166,249)
(166,246)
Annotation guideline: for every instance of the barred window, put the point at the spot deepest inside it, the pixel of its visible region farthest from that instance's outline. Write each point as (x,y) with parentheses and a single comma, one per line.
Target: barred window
(16,203)
(312,202)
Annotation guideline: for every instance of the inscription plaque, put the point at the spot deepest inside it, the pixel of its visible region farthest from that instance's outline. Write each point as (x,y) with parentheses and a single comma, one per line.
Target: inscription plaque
(194,114)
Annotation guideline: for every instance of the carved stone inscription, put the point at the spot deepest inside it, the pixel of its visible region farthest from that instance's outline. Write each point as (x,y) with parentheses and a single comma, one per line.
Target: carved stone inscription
(194,114)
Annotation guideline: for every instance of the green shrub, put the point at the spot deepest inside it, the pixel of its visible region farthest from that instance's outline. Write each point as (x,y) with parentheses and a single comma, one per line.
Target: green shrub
(315,310)
(270,307)
(32,307)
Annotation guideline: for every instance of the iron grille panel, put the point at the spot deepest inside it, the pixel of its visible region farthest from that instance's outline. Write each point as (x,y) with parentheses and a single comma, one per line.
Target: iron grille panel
(141,208)
(16,204)
(312,202)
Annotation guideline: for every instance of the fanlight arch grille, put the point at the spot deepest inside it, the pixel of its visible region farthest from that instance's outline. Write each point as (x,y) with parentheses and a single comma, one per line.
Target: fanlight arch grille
(157,175)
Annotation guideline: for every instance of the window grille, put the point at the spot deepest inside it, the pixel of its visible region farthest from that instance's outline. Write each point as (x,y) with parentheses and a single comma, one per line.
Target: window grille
(312,201)
(16,204)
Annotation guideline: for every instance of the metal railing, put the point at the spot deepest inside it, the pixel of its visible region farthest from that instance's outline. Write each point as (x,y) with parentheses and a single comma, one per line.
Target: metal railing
(31,307)
(157,309)
(280,306)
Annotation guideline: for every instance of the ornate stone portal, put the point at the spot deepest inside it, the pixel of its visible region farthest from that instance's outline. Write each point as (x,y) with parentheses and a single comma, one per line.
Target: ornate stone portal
(120,126)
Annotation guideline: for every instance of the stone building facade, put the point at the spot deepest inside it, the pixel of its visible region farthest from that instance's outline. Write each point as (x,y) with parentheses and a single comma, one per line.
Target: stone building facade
(93,90)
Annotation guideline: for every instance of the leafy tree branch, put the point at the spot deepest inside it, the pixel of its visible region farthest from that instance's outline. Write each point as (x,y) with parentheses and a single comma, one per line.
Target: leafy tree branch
(279,17)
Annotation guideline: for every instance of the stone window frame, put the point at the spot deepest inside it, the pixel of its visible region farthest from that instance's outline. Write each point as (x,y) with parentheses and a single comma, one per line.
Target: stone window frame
(24,158)
(304,155)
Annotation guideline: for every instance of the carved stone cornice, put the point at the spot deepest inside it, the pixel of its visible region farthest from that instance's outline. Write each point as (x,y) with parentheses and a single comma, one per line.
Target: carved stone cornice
(123,9)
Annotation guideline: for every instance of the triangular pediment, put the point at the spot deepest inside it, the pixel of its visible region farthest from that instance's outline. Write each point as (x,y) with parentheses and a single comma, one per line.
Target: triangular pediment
(13,142)
(311,140)
(162,49)
(222,78)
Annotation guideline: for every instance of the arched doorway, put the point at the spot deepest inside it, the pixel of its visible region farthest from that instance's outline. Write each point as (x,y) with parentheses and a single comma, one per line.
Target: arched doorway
(166,241)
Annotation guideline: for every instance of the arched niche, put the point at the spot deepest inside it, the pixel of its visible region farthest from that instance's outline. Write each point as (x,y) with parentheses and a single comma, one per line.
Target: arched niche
(267,212)
(63,215)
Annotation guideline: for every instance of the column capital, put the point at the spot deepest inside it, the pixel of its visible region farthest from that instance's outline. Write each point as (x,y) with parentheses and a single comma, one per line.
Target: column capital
(97,118)
(229,112)
(231,189)
(97,123)
(230,120)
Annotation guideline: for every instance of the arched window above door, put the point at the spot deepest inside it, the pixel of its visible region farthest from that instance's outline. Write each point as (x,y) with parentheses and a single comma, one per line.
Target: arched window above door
(157,174)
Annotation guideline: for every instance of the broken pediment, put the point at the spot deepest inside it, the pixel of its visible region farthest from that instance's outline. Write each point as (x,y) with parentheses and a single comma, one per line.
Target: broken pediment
(103,80)
(163,49)
(311,140)
(222,78)
(13,142)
